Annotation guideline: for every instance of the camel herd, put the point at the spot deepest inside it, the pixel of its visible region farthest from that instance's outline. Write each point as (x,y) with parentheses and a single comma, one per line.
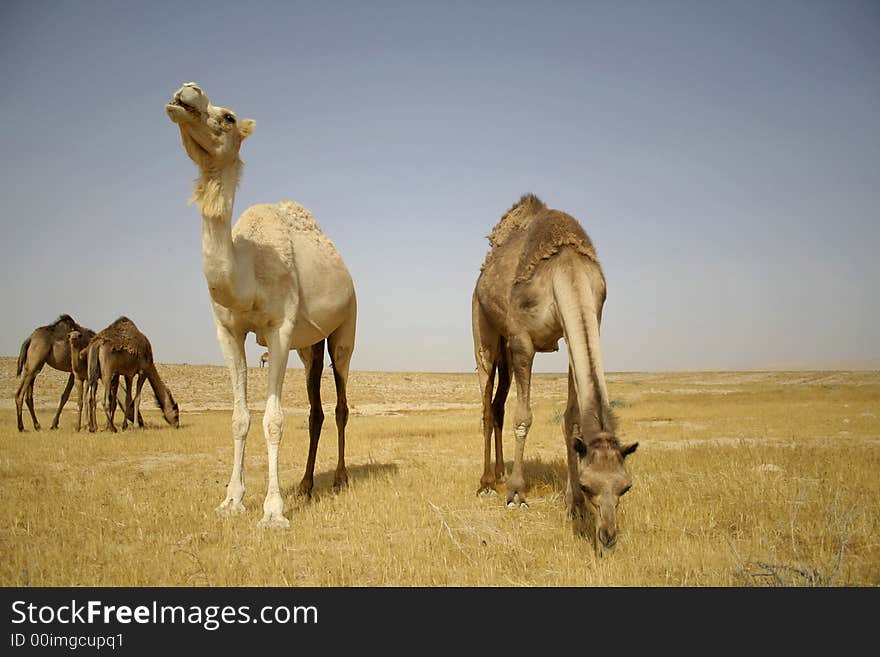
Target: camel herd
(120,350)
(276,274)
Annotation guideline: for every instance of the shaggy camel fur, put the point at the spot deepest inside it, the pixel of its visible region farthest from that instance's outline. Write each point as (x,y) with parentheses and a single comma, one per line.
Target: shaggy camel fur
(275,274)
(541,281)
(46,345)
(122,350)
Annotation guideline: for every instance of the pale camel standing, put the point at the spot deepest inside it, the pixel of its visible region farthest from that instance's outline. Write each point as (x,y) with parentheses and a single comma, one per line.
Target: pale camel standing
(122,350)
(264,358)
(46,345)
(542,281)
(275,274)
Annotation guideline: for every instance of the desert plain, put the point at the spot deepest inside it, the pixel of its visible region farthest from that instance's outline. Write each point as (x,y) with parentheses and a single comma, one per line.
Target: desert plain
(742,478)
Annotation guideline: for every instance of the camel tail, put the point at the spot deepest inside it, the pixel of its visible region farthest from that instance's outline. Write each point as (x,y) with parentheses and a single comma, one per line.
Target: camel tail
(578,308)
(22,356)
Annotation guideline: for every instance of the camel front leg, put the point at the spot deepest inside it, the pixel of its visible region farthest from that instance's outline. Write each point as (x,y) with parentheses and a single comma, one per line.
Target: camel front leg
(522,355)
(128,400)
(273,425)
(80,402)
(64,397)
(574,497)
(234,355)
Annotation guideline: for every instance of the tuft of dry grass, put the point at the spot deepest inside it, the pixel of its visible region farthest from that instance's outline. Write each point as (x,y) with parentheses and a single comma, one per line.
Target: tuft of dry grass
(741,479)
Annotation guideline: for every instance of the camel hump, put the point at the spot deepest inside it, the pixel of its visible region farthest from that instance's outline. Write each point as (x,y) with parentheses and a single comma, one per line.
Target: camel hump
(548,233)
(518,217)
(124,335)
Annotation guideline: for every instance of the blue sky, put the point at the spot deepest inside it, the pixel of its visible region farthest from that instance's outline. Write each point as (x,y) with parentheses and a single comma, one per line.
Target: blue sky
(724,158)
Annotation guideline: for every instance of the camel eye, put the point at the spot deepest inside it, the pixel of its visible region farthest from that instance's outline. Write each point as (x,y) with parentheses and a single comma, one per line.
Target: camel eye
(228,118)
(587,490)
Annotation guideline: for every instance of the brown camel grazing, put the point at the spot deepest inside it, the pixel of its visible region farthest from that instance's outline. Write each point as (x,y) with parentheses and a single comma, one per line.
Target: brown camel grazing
(276,274)
(46,345)
(79,366)
(122,350)
(542,281)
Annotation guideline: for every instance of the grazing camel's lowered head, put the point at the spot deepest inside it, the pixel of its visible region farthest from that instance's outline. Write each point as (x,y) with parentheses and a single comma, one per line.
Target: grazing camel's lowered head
(603,479)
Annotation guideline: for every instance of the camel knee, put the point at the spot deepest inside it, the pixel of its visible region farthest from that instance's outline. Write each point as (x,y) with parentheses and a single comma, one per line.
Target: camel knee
(341,414)
(523,424)
(273,426)
(316,417)
(241,423)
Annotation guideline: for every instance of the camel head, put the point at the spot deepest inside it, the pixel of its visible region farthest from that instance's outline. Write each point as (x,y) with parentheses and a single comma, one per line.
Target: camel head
(211,135)
(170,409)
(603,479)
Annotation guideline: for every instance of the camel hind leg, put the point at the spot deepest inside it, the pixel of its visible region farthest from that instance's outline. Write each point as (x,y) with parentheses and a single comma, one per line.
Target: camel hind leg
(488,346)
(110,391)
(313,359)
(25,395)
(498,408)
(136,403)
(340,344)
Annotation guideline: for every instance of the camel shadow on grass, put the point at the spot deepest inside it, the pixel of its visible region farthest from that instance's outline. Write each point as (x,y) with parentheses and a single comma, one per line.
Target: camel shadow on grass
(541,474)
(323,484)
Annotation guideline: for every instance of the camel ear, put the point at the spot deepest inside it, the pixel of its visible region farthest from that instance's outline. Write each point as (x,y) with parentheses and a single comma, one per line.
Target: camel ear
(246,127)
(580,447)
(626,450)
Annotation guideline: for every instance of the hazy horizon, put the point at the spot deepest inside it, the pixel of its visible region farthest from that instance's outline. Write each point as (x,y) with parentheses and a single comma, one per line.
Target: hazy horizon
(723,157)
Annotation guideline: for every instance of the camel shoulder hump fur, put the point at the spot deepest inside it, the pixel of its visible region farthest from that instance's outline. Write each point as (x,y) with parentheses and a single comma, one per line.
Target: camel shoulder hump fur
(543,231)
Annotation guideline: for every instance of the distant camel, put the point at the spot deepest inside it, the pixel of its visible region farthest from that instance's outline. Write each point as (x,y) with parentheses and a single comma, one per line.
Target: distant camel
(264,358)
(122,350)
(276,274)
(79,366)
(542,281)
(46,345)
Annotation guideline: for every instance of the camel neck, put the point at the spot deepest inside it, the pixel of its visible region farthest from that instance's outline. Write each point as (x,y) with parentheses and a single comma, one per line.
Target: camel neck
(215,194)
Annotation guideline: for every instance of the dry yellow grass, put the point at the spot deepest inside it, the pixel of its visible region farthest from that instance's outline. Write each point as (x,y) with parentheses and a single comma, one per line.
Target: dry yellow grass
(741,479)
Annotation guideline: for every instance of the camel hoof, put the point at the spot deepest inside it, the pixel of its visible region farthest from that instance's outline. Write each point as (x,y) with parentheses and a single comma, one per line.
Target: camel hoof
(486,490)
(230,507)
(275,521)
(304,490)
(517,501)
(340,481)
